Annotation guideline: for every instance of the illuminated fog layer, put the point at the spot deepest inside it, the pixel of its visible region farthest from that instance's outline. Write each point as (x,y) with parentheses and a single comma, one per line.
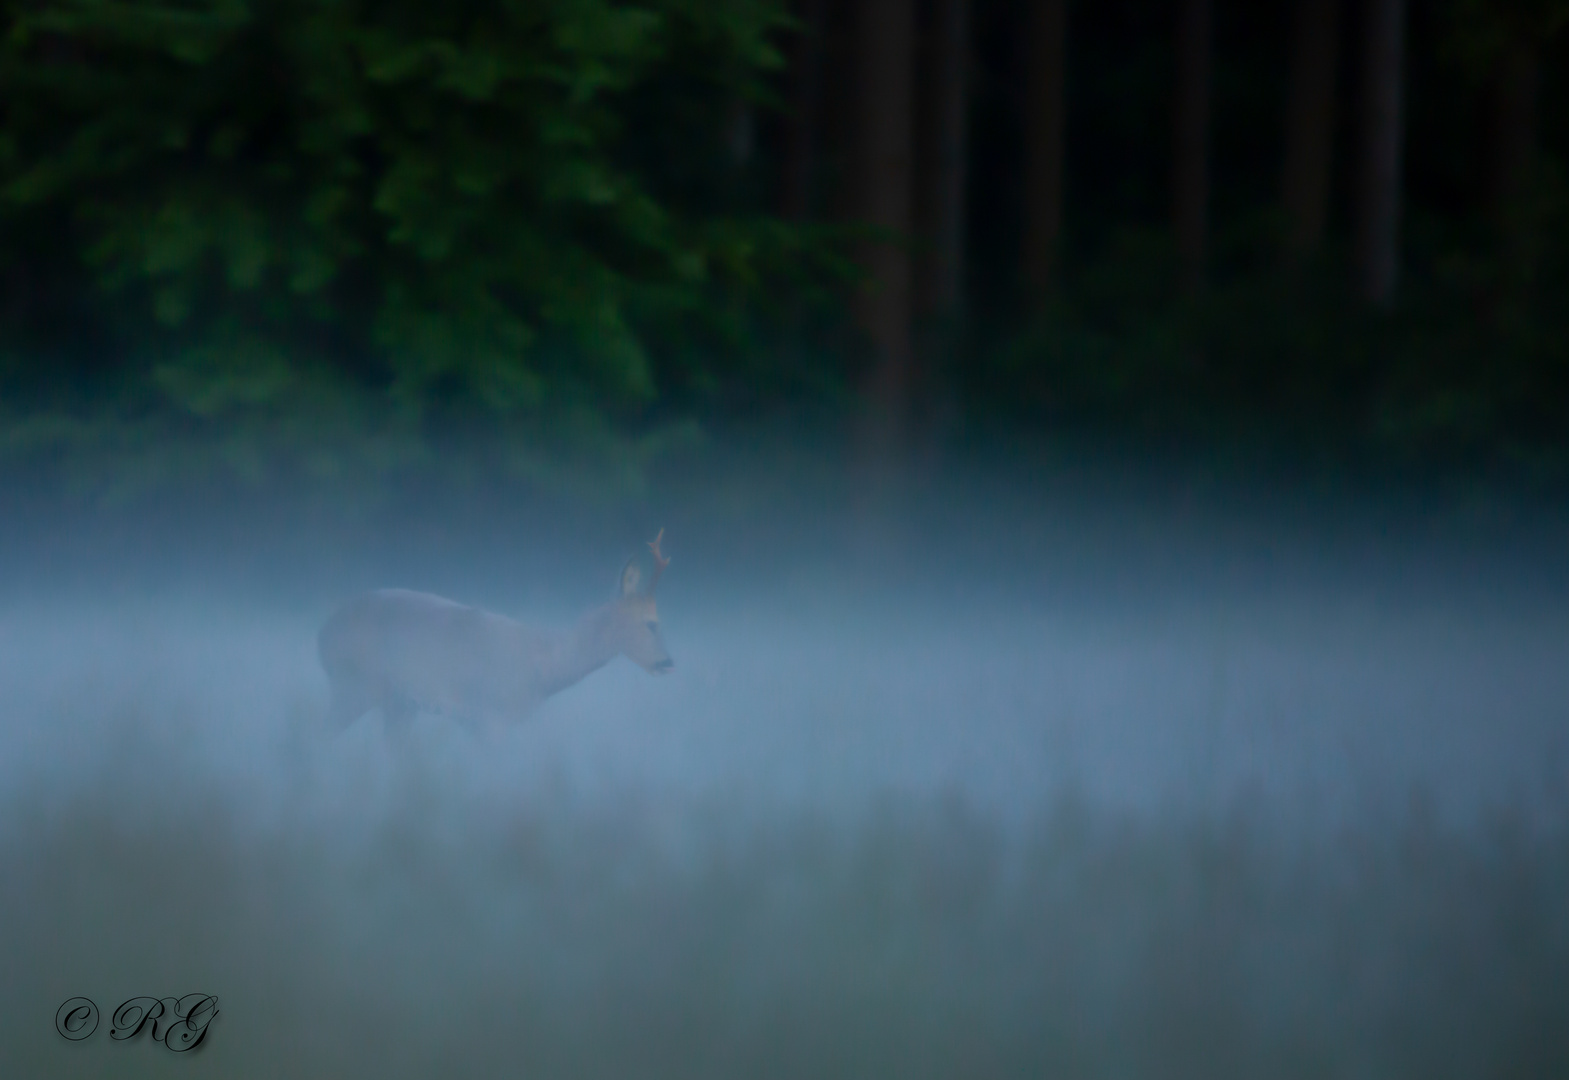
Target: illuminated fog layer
(1093,787)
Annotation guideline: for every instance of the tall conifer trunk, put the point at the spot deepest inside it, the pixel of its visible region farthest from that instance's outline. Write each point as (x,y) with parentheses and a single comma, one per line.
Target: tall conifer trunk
(944,138)
(1513,154)
(883,198)
(801,135)
(1310,126)
(1045,101)
(1190,157)
(1383,132)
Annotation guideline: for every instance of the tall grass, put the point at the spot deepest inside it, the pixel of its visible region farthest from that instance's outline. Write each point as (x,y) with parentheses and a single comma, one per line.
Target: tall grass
(385,922)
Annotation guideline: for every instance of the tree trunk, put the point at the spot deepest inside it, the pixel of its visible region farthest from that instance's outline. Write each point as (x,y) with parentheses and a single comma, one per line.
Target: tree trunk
(883,197)
(944,141)
(805,97)
(1190,158)
(1045,113)
(740,133)
(1383,122)
(1514,152)
(1310,126)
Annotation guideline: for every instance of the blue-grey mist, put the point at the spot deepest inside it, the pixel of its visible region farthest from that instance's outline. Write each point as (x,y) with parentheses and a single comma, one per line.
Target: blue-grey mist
(990,774)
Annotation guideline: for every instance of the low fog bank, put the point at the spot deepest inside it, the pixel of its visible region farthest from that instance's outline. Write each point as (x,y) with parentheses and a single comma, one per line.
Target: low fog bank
(1007,778)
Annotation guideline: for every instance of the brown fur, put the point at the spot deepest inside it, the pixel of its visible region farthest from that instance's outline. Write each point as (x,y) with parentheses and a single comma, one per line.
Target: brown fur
(403,651)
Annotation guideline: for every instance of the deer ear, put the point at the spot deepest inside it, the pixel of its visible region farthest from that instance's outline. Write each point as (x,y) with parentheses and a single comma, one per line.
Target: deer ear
(631,577)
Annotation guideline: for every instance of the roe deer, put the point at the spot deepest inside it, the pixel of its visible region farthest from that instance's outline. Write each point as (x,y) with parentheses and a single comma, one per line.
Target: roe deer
(406,651)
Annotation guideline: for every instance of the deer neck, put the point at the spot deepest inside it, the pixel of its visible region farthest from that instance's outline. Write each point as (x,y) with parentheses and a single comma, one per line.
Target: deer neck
(581,650)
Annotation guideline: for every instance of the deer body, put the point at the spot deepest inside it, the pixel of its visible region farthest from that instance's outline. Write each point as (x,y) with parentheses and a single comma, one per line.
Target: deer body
(403,651)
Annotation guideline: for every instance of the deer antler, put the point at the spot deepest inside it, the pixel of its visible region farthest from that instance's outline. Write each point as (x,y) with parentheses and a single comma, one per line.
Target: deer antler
(660,562)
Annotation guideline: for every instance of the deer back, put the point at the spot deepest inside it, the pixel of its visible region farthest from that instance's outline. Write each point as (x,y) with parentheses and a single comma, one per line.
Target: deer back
(398,649)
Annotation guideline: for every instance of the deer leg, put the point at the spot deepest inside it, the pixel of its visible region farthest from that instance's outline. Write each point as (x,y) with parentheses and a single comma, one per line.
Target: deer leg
(397,713)
(486,727)
(350,701)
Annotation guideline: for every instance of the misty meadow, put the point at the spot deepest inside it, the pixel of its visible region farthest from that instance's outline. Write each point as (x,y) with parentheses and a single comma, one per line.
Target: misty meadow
(1105,466)
(1069,781)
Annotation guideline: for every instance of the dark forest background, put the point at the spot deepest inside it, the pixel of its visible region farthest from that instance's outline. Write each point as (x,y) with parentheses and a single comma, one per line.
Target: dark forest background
(329,240)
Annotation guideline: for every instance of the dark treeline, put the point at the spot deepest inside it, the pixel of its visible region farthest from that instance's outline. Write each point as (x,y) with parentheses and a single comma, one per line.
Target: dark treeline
(286,237)
(1331,228)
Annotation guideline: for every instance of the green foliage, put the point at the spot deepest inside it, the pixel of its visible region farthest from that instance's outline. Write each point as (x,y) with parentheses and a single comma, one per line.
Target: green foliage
(424,216)
(331,238)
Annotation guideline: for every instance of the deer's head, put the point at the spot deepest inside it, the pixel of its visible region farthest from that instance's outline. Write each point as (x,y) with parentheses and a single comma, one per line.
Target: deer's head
(637,623)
